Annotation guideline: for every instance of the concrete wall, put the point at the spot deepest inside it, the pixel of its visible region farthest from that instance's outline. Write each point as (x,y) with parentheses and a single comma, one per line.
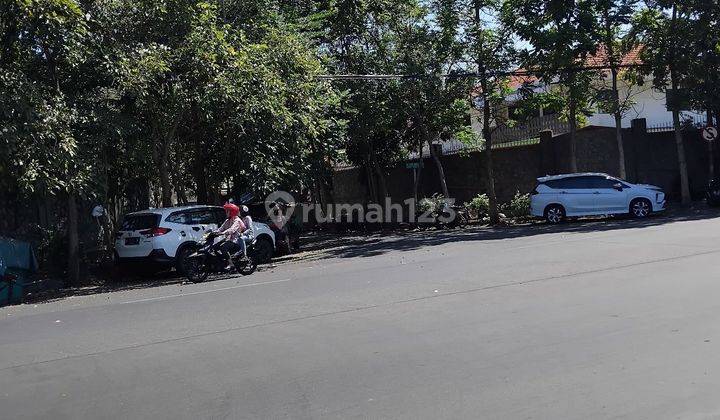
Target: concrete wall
(649,158)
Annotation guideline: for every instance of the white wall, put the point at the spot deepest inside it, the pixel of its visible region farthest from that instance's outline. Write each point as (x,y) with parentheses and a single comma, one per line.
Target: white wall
(647,103)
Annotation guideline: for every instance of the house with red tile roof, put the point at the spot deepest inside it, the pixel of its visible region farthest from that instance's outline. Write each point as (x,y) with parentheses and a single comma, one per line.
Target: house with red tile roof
(640,100)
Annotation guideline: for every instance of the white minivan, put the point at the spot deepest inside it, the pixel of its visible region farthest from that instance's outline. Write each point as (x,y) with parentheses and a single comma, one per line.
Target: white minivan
(164,236)
(593,194)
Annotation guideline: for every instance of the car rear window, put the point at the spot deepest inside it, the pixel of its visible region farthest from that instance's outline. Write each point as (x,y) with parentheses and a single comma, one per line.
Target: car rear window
(140,221)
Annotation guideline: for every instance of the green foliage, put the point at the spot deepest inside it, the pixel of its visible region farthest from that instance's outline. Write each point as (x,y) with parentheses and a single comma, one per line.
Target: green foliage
(479,205)
(530,101)
(517,207)
(681,45)
(561,37)
(431,204)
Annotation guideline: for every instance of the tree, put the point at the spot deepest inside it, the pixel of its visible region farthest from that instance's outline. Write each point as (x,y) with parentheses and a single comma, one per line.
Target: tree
(491,49)
(666,36)
(435,109)
(612,17)
(46,120)
(361,37)
(561,38)
(91,92)
(704,93)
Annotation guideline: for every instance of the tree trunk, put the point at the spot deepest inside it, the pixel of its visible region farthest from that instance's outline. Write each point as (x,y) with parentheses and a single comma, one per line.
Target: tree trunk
(418,173)
(493,212)
(615,93)
(165,185)
(441,171)
(201,187)
(181,195)
(73,268)
(711,151)
(572,120)
(487,133)
(618,126)
(381,182)
(372,191)
(682,162)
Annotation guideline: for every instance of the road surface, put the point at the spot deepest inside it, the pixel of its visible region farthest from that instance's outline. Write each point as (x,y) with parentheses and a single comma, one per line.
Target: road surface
(585,321)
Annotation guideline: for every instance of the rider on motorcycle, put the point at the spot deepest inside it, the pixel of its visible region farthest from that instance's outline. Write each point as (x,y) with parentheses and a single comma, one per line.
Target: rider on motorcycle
(232,229)
(247,235)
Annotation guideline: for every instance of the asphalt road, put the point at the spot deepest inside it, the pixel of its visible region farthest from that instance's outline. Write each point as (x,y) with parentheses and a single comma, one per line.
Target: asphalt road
(598,321)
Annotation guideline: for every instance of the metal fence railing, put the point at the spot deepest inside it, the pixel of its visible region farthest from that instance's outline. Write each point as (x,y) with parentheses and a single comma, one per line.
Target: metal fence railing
(530,129)
(686,122)
(520,134)
(517,143)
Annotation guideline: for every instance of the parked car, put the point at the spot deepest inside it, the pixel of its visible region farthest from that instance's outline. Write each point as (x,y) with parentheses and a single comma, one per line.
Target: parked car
(590,194)
(713,193)
(166,236)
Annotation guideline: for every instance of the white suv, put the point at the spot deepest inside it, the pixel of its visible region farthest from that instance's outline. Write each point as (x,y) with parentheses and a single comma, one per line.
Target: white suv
(591,194)
(164,236)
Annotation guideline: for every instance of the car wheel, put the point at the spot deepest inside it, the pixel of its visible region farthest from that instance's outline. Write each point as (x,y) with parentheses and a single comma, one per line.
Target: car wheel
(554,214)
(180,258)
(640,208)
(263,250)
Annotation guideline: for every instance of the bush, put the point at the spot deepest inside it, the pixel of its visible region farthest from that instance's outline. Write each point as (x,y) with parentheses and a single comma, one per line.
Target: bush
(519,206)
(431,204)
(479,206)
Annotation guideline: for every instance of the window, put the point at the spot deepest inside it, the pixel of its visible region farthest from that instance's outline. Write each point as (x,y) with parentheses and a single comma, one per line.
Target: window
(193,217)
(202,217)
(140,222)
(219,216)
(574,183)
(602,183)
(181,217)
(556,184)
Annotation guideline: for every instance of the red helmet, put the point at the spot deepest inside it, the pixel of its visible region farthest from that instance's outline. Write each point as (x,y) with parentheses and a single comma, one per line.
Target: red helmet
(232,210)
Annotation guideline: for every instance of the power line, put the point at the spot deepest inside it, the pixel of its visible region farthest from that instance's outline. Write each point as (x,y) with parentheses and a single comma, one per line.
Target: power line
(519,72)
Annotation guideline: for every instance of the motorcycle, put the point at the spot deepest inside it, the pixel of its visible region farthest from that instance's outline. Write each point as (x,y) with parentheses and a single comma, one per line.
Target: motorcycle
(712,195)
(206,260)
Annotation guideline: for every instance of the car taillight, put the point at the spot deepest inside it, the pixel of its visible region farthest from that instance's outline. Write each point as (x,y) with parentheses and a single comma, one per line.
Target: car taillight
(158,231)
(10,277)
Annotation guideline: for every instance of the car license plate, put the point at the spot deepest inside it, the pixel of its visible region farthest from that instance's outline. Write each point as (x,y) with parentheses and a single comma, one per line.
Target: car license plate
(132,241)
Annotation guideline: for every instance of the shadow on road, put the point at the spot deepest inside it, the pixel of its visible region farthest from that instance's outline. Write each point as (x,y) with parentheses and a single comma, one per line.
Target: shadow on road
(111,280)
(349,246)
(324,246)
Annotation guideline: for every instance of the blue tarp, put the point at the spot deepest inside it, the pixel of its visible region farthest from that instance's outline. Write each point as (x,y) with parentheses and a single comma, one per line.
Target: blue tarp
(17,258)
(18,254)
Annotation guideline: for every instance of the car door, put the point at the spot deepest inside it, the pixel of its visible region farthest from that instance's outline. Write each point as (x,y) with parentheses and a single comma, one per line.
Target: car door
(203,221)
(610,200)
(183,221)
(577,195)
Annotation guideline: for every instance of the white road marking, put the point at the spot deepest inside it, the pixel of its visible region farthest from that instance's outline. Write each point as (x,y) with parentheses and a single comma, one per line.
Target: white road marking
(240,286)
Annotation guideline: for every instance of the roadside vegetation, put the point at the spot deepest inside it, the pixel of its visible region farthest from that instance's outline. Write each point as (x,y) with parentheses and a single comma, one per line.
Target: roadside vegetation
(137,103)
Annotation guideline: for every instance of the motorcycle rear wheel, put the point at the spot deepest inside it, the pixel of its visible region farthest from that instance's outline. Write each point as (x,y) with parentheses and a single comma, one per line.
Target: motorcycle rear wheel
(247,267)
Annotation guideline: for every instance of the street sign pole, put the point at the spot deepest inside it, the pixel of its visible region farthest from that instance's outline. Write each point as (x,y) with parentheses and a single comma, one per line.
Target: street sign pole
(711,159)
(710,134)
